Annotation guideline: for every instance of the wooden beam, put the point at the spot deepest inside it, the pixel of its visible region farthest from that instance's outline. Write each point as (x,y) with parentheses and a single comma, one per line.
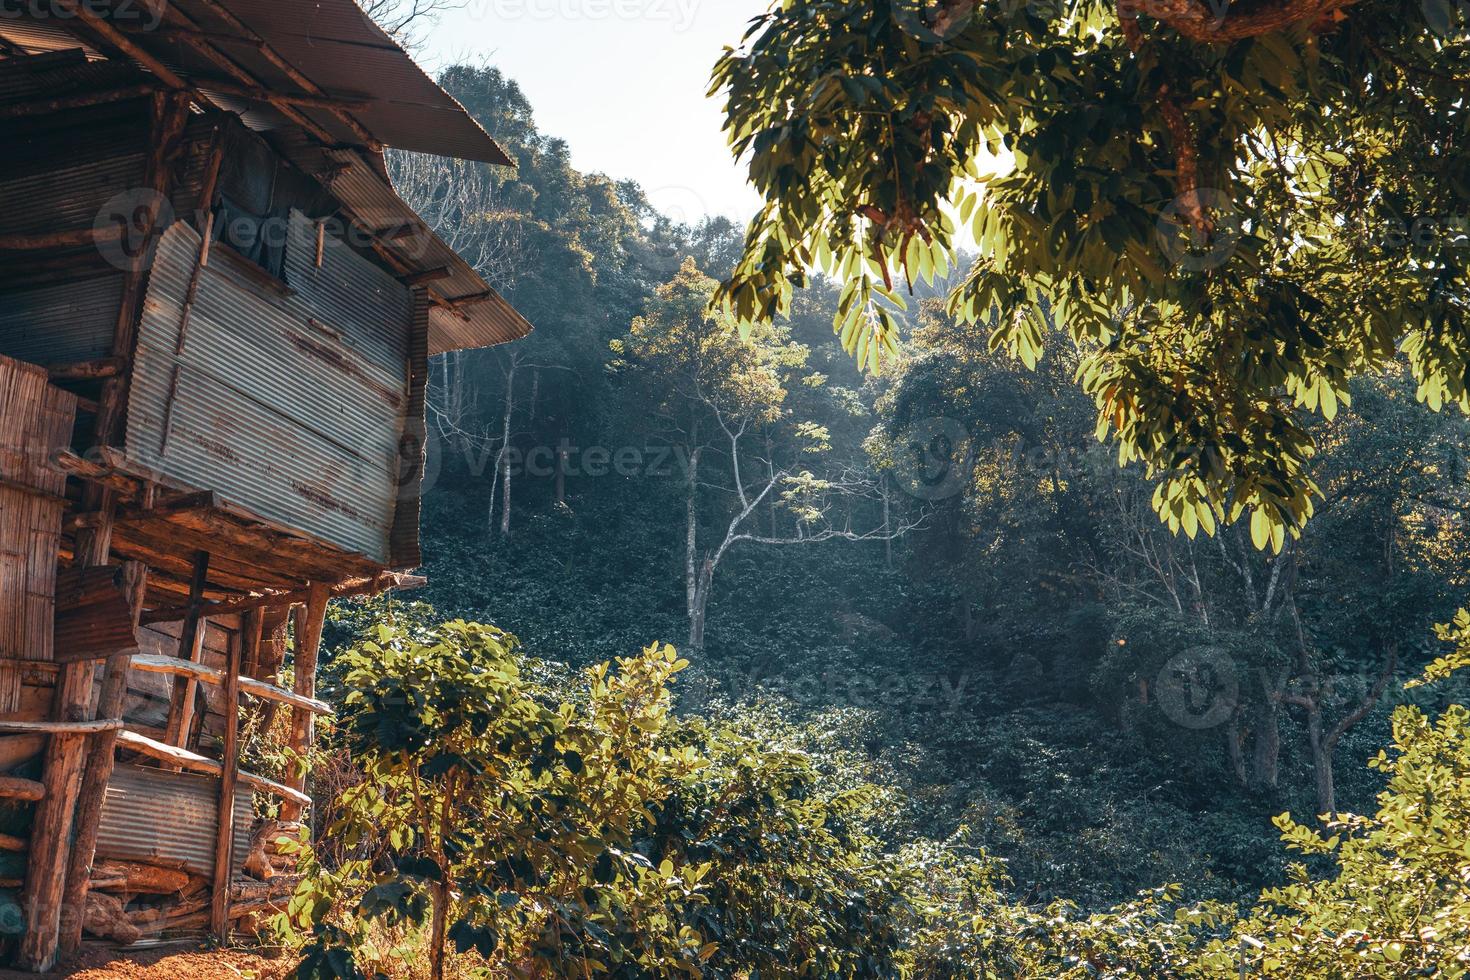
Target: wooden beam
(25,790)
(308,643)
(13,844)
(153,664)
(307,101)
(84,13)
(184,759)
(94,370)
(388,581)
(291,71)
(100,757)
(45,107)
(60,727)
(191,644)
(61,239)
(428,275)
(229,777)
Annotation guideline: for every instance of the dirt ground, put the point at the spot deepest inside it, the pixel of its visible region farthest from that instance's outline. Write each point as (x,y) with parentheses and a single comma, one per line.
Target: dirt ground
(172,962)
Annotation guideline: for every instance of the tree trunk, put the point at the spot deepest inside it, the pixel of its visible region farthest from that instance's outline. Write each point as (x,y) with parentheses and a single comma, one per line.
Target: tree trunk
(510,389)
(698,605)
(691,535)
(438,930)
(1266,750)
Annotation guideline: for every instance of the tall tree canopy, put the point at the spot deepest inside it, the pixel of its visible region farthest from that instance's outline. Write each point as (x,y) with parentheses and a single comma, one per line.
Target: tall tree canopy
(1233,209)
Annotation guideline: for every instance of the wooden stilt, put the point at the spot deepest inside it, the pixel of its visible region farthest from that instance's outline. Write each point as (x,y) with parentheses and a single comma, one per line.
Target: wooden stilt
(308,643)
(191,644)
(99,769)
(61,777)
(219,919)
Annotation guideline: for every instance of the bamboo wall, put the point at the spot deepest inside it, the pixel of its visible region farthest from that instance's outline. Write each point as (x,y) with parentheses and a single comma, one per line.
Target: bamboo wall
(35,420)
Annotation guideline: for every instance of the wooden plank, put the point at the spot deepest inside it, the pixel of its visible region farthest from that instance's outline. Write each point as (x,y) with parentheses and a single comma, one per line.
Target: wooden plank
(229,778)
(154,664)
(194,762)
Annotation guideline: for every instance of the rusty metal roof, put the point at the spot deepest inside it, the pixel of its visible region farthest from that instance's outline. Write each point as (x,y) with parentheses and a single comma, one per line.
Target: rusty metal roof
(340,55)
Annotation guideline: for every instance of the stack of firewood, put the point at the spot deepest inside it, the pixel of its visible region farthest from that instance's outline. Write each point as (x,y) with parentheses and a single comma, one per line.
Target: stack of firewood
(131,900)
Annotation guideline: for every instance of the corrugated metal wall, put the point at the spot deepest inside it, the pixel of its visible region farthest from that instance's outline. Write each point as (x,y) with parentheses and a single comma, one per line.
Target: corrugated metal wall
(270,404)
(151,815)
(65,321)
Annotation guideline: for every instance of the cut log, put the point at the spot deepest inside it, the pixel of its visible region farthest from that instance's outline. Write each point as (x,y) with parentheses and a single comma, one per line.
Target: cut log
(184,759)
(16,788)
(104,916)
(145,879)
(156,664)
(16,845)
(60,727)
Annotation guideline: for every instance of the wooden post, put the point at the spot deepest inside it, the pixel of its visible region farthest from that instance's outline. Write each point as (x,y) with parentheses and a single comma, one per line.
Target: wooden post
(191,644)
(61,776)
(308,642)
(51,832)
(219,918)
(99,771)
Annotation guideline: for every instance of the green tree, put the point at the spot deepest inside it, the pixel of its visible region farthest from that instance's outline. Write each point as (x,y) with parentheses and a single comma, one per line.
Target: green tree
(1231,211)
(722,401)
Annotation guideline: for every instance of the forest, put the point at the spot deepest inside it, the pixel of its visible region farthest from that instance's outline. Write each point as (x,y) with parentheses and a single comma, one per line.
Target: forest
(988,638)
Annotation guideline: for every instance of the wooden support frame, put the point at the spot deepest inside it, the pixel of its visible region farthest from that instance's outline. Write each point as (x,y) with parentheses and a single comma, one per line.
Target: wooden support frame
(309,621)
(219,918)
(153,664)
(191,645)
(178,758)
(100,758)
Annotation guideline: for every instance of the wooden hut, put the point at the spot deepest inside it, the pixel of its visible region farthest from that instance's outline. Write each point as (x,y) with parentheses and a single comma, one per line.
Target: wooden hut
(215,323)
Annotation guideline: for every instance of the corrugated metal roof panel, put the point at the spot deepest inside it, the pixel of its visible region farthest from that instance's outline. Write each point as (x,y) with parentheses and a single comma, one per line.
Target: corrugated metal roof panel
(150,815)
(263,408)
(66,321)
(371,308)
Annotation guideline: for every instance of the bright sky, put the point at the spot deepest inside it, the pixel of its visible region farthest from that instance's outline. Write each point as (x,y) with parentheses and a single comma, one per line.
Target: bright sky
(622,81)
